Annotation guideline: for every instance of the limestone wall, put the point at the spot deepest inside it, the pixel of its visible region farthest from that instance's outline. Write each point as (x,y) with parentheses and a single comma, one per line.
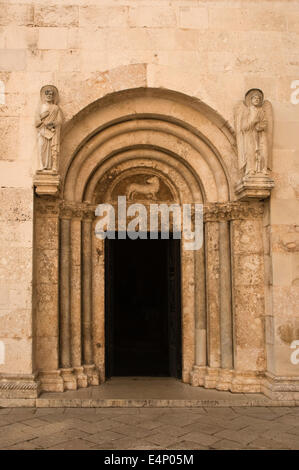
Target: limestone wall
(213,50)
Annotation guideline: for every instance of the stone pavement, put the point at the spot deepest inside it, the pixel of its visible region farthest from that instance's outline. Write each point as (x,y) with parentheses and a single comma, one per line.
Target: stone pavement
(150,428)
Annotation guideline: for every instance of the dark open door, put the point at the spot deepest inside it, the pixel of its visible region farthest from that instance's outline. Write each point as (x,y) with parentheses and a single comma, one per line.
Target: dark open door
(143,311)
(174,309)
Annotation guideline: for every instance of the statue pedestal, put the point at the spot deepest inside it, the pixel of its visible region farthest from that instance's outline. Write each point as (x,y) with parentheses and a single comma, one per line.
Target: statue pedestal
(256,186)
(46,182)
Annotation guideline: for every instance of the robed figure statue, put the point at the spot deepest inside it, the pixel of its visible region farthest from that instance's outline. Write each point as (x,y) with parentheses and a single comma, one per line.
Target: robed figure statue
(254,129)
(48,123)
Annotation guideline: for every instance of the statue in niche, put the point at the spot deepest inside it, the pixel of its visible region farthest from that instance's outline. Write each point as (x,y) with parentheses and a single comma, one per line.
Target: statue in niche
(48,123)
(254,129)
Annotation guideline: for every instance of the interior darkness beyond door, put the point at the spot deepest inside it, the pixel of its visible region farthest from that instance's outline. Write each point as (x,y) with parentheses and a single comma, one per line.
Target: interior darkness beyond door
(143,318)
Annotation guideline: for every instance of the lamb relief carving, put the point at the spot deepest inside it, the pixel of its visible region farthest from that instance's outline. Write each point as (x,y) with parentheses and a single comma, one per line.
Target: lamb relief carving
(149,189)
(48,123)
(254,130)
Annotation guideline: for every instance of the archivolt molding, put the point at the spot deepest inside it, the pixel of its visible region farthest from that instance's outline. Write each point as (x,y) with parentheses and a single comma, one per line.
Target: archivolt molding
(161,120)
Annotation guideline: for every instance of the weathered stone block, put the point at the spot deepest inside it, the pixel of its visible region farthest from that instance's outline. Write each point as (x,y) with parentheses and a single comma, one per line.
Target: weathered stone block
(56,15)
(248,270)
(52,38)
(12,60)
(18,14)
(153,16)
(97,16)
(193,17)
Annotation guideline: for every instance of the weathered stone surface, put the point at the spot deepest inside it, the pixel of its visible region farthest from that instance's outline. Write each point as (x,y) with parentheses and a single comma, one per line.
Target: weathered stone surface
(56,15)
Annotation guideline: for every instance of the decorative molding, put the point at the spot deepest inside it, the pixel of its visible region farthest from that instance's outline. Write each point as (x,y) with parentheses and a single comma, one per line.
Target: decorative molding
(254,187)
(19,386)
(46,183)
(282,388)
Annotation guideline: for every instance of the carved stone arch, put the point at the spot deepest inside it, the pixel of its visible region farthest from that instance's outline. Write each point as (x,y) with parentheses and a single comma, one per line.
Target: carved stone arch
(191,150)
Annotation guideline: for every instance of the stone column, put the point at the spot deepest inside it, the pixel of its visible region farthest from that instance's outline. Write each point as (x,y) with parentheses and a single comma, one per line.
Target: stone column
(86,287)
(200,310)
(65,324)
(69,379)
(76,340)
(213,293)
(46,304)
(89,367)
(226,332)
(98,302)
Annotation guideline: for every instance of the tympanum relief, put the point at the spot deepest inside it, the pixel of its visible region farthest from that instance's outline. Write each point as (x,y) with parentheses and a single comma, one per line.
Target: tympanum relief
(137,185)
(149,189)
(254,132)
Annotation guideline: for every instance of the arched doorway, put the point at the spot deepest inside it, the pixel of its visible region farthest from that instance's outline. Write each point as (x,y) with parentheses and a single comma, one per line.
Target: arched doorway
(125,138)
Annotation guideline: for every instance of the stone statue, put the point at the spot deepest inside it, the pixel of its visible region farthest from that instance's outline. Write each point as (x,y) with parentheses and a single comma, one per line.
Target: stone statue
(48,123)
(254,129)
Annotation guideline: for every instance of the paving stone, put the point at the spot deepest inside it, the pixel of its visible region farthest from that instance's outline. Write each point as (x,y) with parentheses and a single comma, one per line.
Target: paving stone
(178,420)
(45,442)
(35,422)
(105,436)
(290,440)
(176,431)
(226,444)
(264,443)
(199,427)
(91,428)
(131,431)
(187,445)
(242,437)
(153,428)
(22,446)
(74,444)
(227,413)
(162,439)
(201,438)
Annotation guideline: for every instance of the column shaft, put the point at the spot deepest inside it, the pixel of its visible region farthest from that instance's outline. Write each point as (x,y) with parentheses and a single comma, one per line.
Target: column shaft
(200,309)
(226,332)
(213,293)
(87,297)
(65,349)
(76,292)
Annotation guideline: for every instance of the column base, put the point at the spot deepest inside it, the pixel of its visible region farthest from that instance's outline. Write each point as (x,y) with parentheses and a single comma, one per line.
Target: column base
(19,386)
(51,381)
(281,388)
(82,381)
(69,379)
(92,374)
(226,379)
